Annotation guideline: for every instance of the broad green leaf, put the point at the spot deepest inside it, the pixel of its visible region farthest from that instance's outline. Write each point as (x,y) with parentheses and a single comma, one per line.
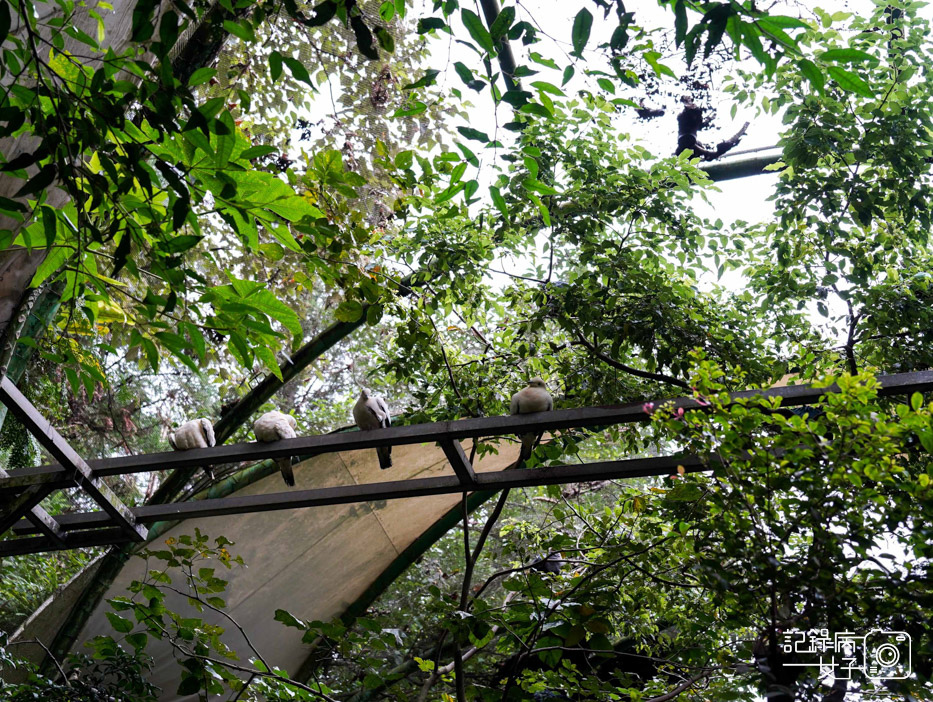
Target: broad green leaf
(473,134)
(50,264)
(477,29)
(498,200)
(275,65)
(414,108)
(812,73)
(242,30)
(429,78)
(426,24)
(680,22)
(267,303)
(349,311)
(502,23)
(124,626)
(850,82)
(267,358)
(256,152)
(201,76)
(580,34)
(847,56)
(298,70)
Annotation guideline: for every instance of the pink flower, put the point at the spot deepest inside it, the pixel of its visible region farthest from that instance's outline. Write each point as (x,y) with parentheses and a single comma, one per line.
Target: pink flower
(648,408)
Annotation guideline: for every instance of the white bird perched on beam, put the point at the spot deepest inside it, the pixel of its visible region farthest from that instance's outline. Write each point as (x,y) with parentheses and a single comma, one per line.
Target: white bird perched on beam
(198,433)
(534,398)
(274,426)
(372,412)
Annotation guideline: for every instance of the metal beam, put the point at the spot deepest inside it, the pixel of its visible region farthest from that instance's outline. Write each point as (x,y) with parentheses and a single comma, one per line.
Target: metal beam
(344,494)
(72,465)
(108,536)
(460,463)
(42,520)
(55,476)
(20,504)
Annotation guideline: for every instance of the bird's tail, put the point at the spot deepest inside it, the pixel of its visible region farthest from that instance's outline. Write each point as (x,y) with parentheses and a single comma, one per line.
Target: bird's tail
(385,456)
(528,445)
(285,465)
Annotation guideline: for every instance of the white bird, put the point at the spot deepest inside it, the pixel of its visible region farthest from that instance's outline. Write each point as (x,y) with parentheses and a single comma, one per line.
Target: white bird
(274,426)
(371,412)
(534,398)
(198,433)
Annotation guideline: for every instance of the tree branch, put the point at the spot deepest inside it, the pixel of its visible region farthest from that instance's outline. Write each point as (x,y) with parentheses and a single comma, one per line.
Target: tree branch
(608,360)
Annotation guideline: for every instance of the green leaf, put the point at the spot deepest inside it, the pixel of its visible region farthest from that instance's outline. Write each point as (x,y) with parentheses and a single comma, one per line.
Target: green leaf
(267,303)
(498,200)
(429,78)
(503,23)
(5,20)
(386,41)
(680,22)
(850,82)
(242,30)
(124,626)
(546,87)
(179,244)
(288,619)
(477,29)
(364,38)
(256,152)
(275,65)
(201,76)
(349,311)
(415,108)
(40,181)
(533,108)
(568,74)
(580,34)
(50,264)
(49,225)
(267,357)
(426,24)
(916,401)
(298,70)
(473,134)
(847,56)
(404,159)
(812,73)
(138,640)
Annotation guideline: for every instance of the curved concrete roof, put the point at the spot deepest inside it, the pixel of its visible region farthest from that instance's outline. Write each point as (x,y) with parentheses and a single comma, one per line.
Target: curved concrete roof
(317,563)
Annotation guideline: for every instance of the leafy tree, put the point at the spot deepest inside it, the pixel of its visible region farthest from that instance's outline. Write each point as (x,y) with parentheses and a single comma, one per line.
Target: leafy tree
(553,246)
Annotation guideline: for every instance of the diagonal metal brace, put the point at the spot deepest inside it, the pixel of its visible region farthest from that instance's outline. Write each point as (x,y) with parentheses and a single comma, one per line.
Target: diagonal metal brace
(459,462)
(79,471)
(40,519)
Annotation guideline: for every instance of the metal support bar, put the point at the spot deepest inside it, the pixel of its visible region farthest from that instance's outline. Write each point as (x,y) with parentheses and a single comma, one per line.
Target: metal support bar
(460,463)
(344,494)
(55,476)
(108,536)
(42,520)
(13,508)
(72,464)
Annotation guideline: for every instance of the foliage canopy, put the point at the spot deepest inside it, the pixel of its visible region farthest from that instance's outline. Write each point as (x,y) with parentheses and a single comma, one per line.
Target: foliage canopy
(151,183)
